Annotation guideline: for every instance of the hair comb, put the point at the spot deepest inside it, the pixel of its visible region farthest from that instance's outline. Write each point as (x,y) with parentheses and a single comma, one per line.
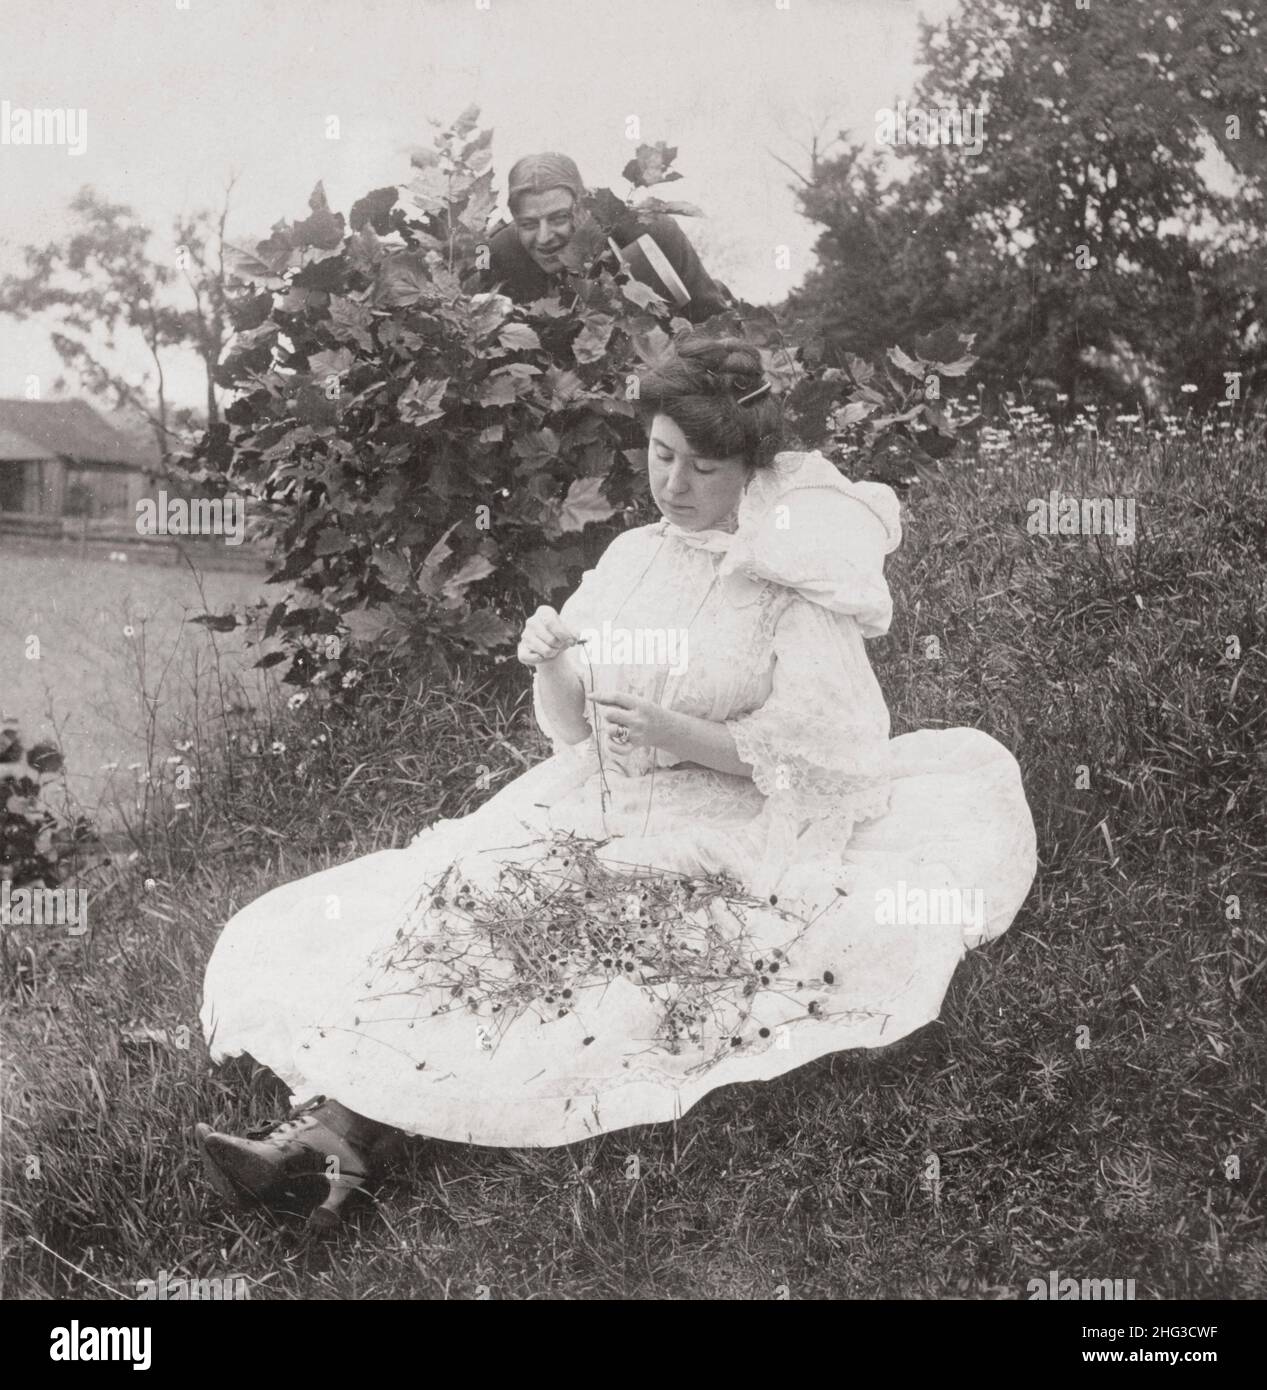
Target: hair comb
(754,395)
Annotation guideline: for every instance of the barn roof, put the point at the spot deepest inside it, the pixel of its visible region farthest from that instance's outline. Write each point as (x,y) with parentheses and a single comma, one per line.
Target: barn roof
(72,429)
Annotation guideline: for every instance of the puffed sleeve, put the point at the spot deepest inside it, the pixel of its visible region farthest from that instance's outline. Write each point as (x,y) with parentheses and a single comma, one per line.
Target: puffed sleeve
(818,746)
(827,538)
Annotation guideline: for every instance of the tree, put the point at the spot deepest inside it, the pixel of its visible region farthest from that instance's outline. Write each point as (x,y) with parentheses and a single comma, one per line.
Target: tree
(857,301)
(814,151)
(200,255)
(1217,53)
(103,282)
(1083,232)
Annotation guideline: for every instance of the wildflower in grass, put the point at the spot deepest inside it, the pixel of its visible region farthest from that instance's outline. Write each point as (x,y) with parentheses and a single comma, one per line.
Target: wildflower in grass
(300,697)
(1187,388)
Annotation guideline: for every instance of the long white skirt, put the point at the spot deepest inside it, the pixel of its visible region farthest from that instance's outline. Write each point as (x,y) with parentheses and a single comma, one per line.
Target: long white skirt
(368,983)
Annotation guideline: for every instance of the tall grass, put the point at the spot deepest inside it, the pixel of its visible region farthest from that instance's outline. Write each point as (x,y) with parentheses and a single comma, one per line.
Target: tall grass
(1089,1101)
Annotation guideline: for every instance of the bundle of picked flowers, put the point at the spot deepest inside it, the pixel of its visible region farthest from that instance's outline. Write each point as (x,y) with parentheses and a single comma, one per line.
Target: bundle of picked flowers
(557,927)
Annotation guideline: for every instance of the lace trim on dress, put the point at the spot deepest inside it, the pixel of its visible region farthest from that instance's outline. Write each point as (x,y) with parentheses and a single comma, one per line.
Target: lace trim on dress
(852,782)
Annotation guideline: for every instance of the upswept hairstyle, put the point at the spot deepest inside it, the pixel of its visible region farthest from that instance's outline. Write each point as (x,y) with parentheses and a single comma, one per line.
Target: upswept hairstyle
(698,385)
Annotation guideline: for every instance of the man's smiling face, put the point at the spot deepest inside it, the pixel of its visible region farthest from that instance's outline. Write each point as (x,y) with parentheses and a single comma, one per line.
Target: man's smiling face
(545,223)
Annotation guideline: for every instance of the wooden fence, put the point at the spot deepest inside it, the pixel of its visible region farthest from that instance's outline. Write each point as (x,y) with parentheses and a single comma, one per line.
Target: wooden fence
(98,539)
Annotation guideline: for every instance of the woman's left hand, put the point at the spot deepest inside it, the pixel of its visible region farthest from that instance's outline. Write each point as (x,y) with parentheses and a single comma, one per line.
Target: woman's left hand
(649,724)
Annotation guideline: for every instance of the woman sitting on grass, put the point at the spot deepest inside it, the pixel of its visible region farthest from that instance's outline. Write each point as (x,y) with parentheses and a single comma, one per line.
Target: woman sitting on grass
(725,870)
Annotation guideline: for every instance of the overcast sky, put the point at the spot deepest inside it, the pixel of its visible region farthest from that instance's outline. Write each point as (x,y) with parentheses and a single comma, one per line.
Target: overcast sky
(177,98)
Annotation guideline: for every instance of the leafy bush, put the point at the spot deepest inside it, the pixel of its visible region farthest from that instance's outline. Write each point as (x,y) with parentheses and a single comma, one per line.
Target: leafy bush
(426,456)
(33,841)
(897,411)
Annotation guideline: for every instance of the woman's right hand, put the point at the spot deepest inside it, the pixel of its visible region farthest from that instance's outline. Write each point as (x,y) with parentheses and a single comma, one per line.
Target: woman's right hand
(545,638)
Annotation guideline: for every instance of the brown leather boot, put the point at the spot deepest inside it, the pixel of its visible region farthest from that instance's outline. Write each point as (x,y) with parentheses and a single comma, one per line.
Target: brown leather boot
(320,1139)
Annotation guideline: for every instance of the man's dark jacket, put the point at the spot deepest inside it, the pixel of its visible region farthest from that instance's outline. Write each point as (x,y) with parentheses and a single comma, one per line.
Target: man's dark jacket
(520,277)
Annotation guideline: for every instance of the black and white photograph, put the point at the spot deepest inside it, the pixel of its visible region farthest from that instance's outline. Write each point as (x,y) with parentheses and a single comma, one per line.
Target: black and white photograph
(633,661)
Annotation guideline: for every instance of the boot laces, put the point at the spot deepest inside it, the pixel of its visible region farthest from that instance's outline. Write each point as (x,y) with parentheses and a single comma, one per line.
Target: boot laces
(303,1116)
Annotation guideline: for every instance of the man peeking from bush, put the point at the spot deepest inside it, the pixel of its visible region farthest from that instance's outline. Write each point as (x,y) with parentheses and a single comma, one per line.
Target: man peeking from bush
(544,196)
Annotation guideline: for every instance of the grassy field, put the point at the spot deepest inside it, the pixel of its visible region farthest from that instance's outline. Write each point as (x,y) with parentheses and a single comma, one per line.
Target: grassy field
(1093,1088)
(117,660)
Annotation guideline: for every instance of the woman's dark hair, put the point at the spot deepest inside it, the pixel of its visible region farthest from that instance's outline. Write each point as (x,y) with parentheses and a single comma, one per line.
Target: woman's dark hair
(699,384)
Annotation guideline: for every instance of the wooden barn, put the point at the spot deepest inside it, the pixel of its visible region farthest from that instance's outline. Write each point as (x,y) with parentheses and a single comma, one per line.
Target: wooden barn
(63,458)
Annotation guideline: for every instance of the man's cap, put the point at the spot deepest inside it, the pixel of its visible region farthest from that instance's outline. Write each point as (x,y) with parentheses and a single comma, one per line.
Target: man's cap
(538,173)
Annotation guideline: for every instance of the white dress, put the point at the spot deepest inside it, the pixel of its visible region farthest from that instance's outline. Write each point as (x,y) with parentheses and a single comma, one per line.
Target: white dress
(380,983)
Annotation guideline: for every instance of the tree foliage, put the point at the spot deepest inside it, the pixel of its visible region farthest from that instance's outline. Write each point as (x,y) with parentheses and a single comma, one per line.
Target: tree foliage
(1084,233)
(103,283)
